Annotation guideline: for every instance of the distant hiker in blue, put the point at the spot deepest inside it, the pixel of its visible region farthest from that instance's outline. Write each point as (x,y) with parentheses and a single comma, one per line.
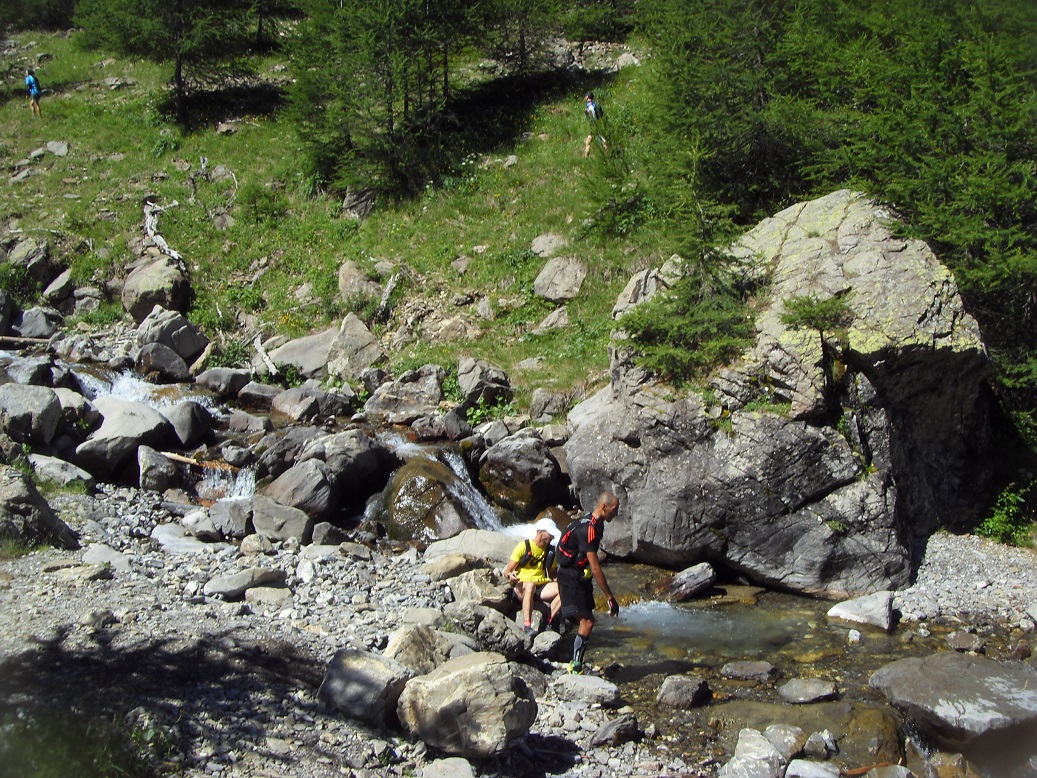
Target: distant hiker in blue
(594,112)
(33,85)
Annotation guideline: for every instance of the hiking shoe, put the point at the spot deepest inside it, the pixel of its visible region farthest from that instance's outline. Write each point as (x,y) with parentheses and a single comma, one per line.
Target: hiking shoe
(576,668)
(530,631)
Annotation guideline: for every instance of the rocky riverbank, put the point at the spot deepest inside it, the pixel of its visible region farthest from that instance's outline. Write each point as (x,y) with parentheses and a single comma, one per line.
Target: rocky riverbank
(124,626)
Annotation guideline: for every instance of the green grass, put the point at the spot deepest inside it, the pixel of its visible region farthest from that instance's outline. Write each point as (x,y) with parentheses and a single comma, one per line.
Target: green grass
(88,205)
(66,744)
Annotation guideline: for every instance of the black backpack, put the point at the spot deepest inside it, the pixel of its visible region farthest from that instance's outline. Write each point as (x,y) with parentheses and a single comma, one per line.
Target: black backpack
(526,558)
(566,556)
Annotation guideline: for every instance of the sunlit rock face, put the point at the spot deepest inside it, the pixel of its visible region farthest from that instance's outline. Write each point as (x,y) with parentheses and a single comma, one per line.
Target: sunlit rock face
(812,462)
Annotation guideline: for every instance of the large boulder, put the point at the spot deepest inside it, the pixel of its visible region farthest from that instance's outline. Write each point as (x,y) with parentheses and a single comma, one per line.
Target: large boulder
(358,465)
(126,427)
(483,383)
(173,330)
(158,281)
(961,701)
(364,686)
(308,355)
(784,490)
(29,414)
(305,486)
(353,350)
(280,522)
(471,706)
(414,394)
(561,279)
(521,473)
(27,518)
(423,501)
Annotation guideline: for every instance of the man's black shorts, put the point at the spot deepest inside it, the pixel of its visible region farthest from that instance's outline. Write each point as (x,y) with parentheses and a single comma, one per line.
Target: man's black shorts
(577,593)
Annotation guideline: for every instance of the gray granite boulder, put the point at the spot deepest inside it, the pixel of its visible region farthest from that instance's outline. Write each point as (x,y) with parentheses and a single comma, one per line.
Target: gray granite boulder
(27,518)
(364,686)
(353,350)
(560,279)
(280,522)
(522,474)
(414,394)
(782,490)
(29,414)
(958,700)
(472,706)
(305,486)
(873,610)
(160,364)
(173,330)
(155,281)
(127,426)
(308,355)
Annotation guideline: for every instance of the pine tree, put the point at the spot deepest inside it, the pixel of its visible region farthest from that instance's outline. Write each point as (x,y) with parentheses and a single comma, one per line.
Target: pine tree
(196,36)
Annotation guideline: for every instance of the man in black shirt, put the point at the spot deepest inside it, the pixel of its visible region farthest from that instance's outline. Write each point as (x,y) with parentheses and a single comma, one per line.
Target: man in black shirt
(578,567)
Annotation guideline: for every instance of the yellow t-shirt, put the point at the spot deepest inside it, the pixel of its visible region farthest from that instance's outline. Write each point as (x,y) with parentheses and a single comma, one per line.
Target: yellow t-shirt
(534,571)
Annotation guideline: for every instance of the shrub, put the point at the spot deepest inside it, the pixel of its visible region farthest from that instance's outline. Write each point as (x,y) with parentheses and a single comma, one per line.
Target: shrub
(1011,519)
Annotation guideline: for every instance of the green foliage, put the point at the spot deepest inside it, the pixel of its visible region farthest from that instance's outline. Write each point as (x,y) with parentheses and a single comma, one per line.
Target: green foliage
(107,313)
(66,743)
(929,106)
(697,325)
(483,411)
(1011,519)
(21,287)
(452,387)
(200,38)
(263,206)
(812,312)
(288,376)
(232,353)
(13,549)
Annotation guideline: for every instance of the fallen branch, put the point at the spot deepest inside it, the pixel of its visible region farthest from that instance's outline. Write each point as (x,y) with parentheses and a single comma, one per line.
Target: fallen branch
(212,464)
(14,341)
(264,356)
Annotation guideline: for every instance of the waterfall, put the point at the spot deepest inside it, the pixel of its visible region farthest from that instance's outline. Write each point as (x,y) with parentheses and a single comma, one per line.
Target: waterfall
(460,488)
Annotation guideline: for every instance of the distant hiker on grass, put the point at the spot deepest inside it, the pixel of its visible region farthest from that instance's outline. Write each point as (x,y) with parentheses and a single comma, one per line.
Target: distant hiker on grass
(530,571)
(594,113)
(33,85)
(578,568)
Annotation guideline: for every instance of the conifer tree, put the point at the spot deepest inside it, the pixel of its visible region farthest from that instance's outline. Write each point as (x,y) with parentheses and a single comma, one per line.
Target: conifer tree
(196,36)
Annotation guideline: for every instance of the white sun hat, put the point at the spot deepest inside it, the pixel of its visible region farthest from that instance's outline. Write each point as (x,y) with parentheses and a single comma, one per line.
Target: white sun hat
(548,526)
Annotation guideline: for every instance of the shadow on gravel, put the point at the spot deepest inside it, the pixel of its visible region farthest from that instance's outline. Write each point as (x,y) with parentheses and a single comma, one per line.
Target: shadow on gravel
(198,688)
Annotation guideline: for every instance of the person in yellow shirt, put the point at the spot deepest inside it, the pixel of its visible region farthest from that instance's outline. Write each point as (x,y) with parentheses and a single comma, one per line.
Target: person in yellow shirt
(531,569)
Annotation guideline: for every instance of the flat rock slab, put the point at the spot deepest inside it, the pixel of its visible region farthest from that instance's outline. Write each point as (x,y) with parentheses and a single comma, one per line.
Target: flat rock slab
(956,698)
(800,691)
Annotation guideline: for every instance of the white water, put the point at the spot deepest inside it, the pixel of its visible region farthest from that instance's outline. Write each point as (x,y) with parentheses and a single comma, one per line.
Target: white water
(129,386)
(226,484)
(460,487)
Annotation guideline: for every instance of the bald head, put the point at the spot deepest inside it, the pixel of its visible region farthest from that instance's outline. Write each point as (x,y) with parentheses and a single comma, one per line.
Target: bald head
(607,506)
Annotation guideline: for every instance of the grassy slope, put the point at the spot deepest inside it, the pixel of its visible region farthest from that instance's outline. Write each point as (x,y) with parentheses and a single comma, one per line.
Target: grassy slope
(123,148)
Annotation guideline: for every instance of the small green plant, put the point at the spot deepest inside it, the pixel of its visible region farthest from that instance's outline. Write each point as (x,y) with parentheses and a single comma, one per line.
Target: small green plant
(233,353)
(1011,519)
(768,406)
(723,423)
(288,376)
(262,205)
(21,287)
(838,527)
(164,145)
(823,315)
(12,548)
(452,387)
(483,411)
(106,314)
